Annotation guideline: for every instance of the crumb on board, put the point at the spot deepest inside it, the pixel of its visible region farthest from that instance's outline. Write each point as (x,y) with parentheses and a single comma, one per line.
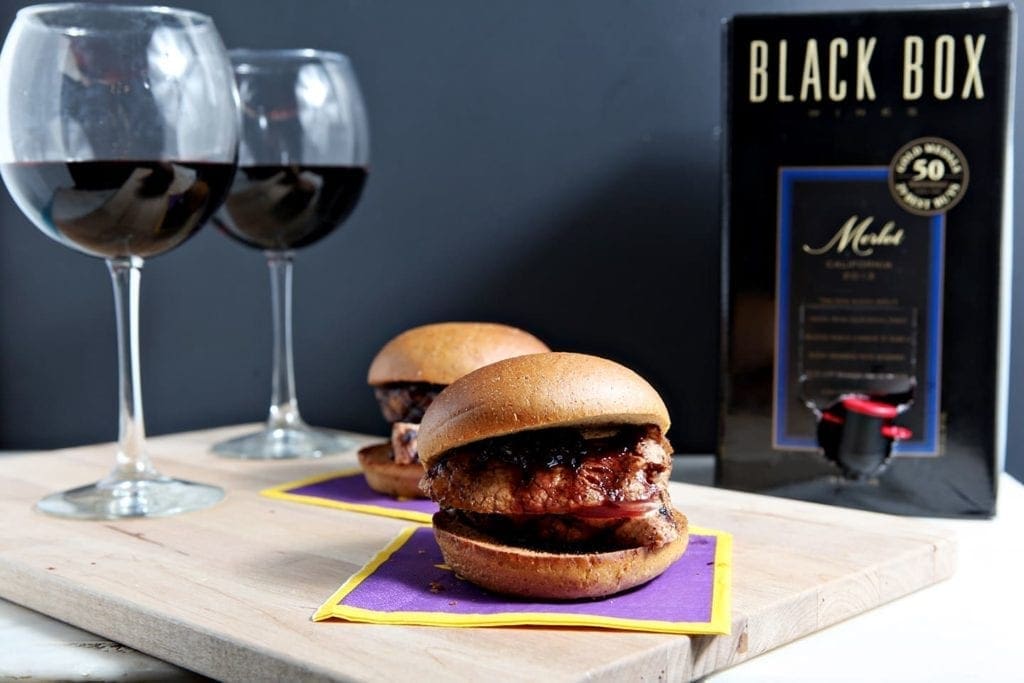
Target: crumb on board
(435,586)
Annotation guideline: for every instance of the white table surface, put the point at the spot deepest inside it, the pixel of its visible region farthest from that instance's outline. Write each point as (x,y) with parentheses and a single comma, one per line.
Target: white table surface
(966,628)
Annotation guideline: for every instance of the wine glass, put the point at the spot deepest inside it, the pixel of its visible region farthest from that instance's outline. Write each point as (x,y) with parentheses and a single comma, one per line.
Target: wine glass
(302,166)
(119,138)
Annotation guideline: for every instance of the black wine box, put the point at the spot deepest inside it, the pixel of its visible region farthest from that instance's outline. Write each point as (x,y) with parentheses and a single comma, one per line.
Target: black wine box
(866,257)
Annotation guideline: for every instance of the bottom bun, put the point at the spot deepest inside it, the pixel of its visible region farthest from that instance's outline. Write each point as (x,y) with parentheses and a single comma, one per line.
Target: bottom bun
(513,570)
(384,475)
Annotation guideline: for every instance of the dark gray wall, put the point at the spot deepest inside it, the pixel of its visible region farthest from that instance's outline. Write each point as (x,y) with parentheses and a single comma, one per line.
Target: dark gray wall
(554,165)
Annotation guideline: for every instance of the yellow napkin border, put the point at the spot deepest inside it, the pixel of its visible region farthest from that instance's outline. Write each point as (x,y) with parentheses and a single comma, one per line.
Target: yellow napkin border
(721,602)
(282,492)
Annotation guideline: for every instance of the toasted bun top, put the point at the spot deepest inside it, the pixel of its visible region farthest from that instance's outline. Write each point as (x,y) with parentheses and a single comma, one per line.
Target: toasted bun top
(537,392)
(443,352)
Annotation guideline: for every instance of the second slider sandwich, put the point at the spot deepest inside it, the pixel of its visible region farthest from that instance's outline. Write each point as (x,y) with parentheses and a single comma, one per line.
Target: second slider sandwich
(551,471)
(409,371)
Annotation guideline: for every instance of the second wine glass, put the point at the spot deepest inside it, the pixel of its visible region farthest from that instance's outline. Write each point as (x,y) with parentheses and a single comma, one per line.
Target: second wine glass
(302,166)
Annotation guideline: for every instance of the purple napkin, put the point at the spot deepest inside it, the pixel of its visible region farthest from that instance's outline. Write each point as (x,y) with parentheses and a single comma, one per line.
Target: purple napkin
(408,583)
(348,490)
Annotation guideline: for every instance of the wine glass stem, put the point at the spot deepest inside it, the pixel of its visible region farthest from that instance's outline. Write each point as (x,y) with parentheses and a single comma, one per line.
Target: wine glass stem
(132,460)
(284,408)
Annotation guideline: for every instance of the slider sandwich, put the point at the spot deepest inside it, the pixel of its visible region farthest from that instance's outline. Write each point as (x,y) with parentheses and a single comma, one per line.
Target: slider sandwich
(551,472)
(410,371)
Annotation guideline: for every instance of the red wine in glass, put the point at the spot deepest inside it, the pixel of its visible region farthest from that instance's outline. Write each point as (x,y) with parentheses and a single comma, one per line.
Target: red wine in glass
(280,207)
(115,209)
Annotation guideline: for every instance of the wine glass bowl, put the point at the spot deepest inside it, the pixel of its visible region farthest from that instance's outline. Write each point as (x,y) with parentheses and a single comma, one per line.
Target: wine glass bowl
(302,166)
(304,148)
(119,139)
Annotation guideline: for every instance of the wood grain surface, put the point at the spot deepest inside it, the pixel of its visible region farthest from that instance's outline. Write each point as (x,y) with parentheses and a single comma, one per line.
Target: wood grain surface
(228,592)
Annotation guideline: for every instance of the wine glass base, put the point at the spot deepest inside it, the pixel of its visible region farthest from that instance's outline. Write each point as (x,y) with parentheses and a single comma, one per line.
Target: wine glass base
(158,497)
(286,443)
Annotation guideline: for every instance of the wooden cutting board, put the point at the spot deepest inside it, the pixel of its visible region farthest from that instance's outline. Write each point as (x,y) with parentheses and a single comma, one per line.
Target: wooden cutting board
(229,591)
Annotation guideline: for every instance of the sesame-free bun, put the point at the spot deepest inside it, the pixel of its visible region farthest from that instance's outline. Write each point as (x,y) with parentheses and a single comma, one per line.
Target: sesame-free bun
(384,475)
(502,568)
(538,391)
(442,352)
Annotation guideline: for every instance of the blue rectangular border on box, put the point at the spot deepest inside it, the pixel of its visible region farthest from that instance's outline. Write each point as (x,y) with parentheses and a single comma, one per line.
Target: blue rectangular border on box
(928,444)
